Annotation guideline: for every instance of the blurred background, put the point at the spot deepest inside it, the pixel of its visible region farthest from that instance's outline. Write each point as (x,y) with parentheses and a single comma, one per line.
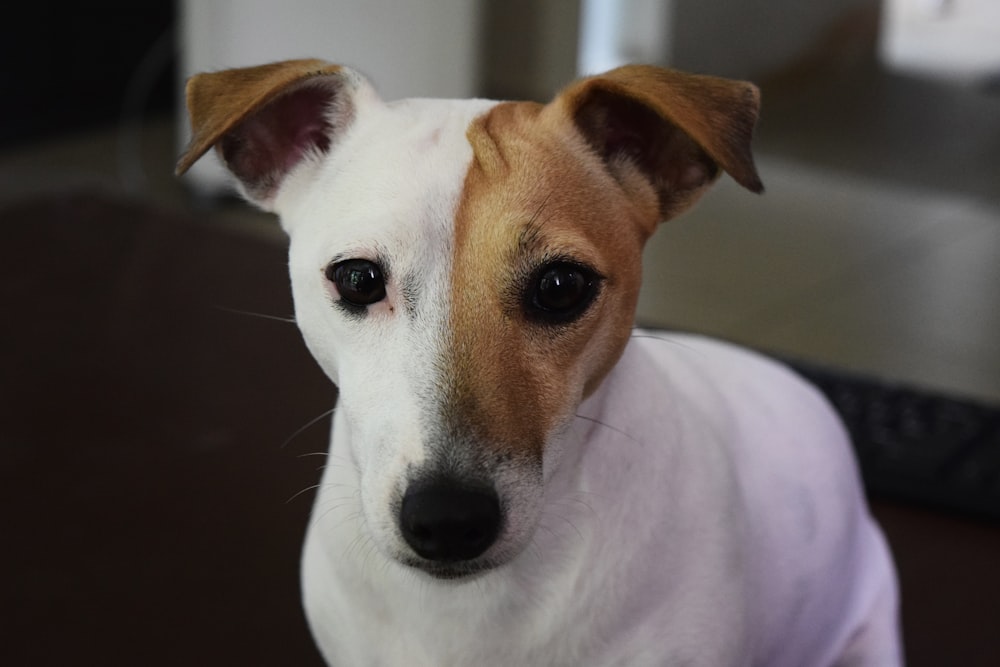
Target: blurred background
(149,397)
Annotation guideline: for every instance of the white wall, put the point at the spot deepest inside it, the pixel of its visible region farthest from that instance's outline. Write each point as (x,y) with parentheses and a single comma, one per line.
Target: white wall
(957,39)
(618,32)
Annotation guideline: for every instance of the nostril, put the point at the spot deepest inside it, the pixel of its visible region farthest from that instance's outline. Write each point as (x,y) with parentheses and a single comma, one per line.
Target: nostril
(448,522)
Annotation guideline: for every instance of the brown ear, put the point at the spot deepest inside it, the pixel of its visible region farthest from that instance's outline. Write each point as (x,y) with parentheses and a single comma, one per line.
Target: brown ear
(265,120)
(677,129)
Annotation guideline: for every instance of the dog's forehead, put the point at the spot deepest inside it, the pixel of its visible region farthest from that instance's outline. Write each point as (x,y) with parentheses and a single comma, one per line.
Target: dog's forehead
(394,178)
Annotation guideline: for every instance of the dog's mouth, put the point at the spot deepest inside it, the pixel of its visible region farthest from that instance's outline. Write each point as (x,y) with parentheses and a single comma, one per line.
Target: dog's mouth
(453,571)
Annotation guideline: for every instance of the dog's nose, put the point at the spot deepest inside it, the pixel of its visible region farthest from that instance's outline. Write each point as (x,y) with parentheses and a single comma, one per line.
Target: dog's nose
(446,522)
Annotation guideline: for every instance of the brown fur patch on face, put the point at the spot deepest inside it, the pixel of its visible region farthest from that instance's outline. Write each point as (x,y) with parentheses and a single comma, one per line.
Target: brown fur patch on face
(535,192)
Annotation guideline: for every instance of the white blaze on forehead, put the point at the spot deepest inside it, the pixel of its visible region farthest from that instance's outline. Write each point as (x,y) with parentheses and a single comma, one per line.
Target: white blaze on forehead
(397,163)
(389,194)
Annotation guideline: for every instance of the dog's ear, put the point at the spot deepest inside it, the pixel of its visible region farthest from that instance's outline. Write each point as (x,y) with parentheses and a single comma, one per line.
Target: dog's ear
(677,129)
(265,121)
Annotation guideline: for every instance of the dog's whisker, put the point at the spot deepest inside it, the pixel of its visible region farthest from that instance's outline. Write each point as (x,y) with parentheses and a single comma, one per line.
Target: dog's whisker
(305,490)
(352,548)
(567,521)
(368,558)
(340,458)
(583,503)
(341,462)
(579,497)
(307,426)
(338,485)
(609,427)
(302,456)
(548,530)
(528,587)
(645,333)
(320,485)
(536,551)
(354,516)
(334,460)
(337,503)
(534,224)
(329,508)
(263,316)
(481,590)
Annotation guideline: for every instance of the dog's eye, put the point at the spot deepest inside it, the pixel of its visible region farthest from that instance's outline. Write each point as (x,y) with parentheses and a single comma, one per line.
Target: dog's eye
(560,292)
(358,281)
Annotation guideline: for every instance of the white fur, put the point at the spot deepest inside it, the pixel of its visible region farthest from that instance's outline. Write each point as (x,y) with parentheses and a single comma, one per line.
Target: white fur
(706,511)
(707,531)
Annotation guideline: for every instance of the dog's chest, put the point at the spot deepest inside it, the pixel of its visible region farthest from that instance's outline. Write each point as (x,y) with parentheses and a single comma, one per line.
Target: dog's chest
(647,543)
(595,586)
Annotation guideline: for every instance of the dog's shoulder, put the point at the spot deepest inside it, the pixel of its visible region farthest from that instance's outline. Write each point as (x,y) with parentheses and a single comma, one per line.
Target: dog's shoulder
(759,409)
(751,430)
(711,376)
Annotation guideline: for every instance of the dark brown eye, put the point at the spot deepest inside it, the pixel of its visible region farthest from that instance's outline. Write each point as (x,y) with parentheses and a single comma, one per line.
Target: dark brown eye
(358,281)
(560,292)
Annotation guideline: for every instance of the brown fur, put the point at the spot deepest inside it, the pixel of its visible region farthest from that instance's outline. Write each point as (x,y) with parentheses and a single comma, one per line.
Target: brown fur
(532,194)
(219,101)
(587,177)
(541,187)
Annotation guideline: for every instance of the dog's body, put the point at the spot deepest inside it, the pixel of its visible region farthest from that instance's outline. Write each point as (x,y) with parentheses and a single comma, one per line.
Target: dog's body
(514,478)
(700,529)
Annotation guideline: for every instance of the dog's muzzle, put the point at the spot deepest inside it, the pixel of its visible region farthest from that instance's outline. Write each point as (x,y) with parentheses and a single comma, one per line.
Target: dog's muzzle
(448,523)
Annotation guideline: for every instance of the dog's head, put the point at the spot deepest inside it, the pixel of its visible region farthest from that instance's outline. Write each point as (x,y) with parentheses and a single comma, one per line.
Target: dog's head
(466,271)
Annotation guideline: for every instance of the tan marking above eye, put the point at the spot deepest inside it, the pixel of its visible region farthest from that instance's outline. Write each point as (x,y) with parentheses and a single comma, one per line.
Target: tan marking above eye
(532,196)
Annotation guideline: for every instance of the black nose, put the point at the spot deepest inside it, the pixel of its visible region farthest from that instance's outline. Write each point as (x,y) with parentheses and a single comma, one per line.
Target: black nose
(447,522)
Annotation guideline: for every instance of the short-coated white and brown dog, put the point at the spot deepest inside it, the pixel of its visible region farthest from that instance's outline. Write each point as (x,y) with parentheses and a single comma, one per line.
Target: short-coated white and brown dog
(515,476)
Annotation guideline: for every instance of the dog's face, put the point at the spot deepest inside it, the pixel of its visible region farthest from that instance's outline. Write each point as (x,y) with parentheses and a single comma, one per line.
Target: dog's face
(501,290)
(466,272)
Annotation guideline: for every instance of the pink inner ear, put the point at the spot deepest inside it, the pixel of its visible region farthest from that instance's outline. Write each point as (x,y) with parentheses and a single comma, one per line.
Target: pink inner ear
(689,168)
(691,176)
(620,127)
(267,145)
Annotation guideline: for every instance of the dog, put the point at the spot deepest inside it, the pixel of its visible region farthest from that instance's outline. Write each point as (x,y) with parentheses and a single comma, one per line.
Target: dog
(516,476)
